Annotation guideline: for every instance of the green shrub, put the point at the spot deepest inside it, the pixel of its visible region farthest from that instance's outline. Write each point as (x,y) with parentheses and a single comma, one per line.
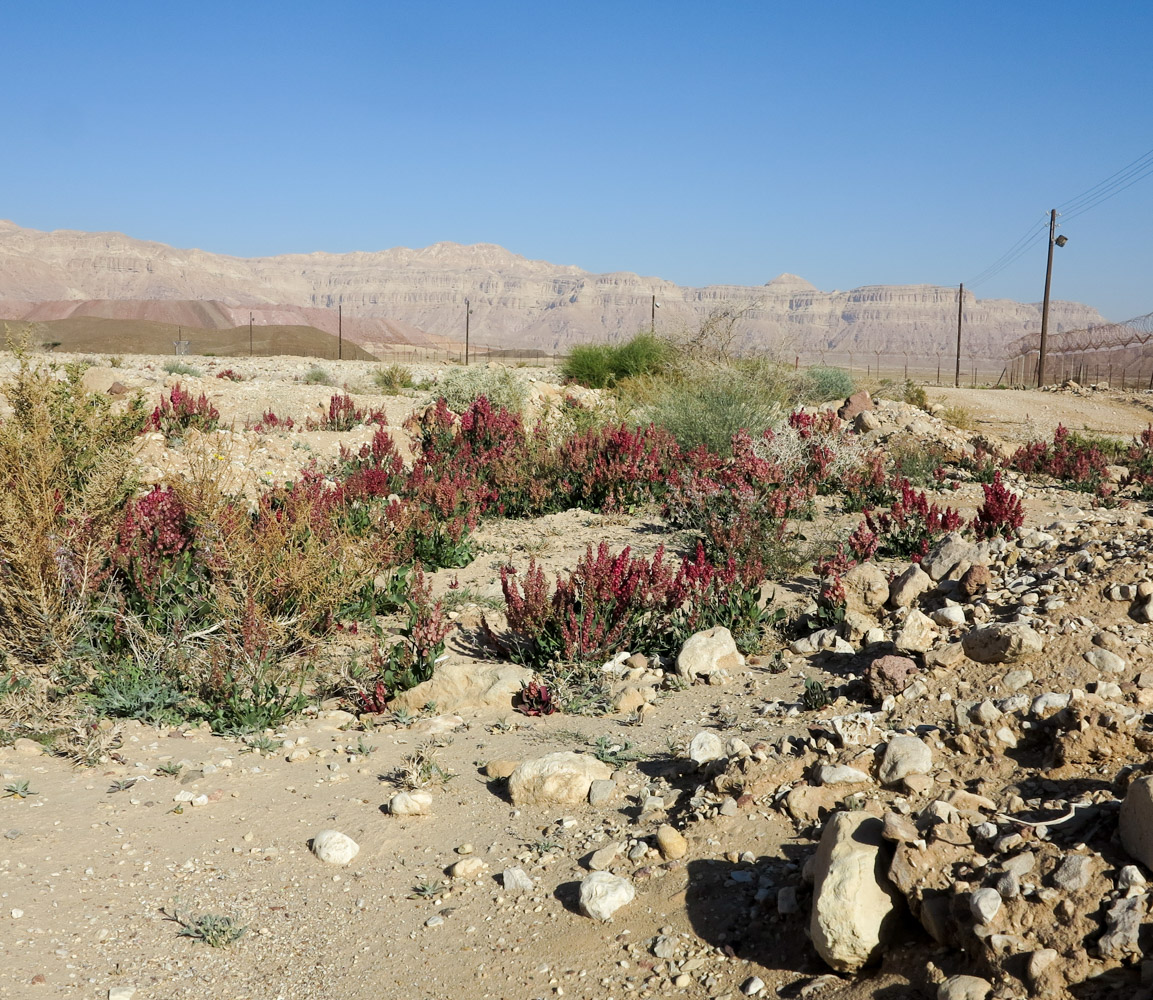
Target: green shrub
(317,376)
(392,379)
(822,383)
(128,691)
(706,404)
(503,389)
(915,395)
(180,368)
(599,366)
(590,365)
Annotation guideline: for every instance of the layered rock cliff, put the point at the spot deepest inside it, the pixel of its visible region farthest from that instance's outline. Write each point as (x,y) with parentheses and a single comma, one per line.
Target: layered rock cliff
(413,296)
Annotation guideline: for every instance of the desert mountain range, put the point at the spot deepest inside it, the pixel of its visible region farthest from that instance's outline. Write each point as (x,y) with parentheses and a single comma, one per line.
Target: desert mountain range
(404,296)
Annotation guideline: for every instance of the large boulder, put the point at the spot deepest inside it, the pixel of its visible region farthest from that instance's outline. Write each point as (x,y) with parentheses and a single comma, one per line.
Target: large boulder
(602,894)
(856,910)
(911,584)
(866,588)
(890,675)
(858,402)
(917,633)
(1006,643)
(946,554)
(708,653)
(904,755)
(561,778)
(1137,821)
(463,688)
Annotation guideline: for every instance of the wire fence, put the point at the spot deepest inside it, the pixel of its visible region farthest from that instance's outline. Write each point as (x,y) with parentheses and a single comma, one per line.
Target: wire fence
(1119,354)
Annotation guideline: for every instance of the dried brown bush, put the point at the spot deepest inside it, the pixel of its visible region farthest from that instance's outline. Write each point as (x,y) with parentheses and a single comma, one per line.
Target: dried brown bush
(65,473)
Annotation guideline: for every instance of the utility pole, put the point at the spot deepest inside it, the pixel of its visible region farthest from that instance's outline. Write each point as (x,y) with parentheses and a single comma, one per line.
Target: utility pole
(250,334)
(653,316)
(960,303)
(339,331)
(1059,241)
(467,312)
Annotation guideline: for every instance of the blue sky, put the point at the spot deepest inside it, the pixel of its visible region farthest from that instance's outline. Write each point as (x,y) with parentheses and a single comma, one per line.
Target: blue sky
(851,143)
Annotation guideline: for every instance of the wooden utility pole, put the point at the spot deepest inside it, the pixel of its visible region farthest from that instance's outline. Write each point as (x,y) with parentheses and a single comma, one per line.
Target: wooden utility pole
(250,334)
(960,304)
(467,312)
(339,332)
(1045,304)
(653,315)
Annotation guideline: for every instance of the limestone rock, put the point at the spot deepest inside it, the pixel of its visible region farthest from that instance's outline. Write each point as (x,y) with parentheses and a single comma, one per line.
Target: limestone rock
(671,842)
(946,554)
(1104,660)
(410,804)
(705,747)
(334,848)
(602,894)
(840,774)
(866,588)
(856,910)
(917,634)
(985,904)
(602,859)
(561,778)
(910,585)
(466,687)
(467,867)
(964,988)
(516,881)
(707,653)
(904,755)
(1136,822)
(1007,643)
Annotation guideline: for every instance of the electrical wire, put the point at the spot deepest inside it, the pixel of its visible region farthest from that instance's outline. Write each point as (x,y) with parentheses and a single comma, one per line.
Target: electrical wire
(1017,250)
(1109,185)
(1106,196)
(1100,192)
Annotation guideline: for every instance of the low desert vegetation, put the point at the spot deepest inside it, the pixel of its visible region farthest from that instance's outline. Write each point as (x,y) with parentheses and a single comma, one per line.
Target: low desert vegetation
(393,379)
(190,603)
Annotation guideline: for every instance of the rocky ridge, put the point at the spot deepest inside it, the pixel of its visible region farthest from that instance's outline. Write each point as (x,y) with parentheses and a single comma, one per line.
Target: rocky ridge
(414,296)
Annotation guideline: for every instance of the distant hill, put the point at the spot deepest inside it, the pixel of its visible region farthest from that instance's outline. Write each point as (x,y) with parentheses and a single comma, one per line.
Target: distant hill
(417,297)
(133,336)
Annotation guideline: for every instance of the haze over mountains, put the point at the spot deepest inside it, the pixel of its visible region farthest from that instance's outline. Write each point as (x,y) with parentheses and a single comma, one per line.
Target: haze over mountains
(404,296)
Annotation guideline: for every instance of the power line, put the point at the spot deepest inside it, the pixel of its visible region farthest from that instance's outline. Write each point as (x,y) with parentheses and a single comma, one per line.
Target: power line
(1102,191)
(1106,196)
(1108,184)
(1026,242)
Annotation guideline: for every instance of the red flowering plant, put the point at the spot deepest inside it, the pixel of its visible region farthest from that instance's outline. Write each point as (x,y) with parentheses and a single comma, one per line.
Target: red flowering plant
(1000,514)
(1139,461)
(404,662)
(608,603)
(179,411)
(616,468)
(831,598)
(269,421)
(740,507)
(343,415)
(911,525)
(1077,463)
(160,574)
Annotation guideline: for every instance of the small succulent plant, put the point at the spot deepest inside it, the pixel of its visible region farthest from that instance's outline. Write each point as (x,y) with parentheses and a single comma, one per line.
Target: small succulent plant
(535,699)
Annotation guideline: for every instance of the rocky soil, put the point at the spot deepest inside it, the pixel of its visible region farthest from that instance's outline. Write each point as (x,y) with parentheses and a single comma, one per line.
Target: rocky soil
(969,816)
